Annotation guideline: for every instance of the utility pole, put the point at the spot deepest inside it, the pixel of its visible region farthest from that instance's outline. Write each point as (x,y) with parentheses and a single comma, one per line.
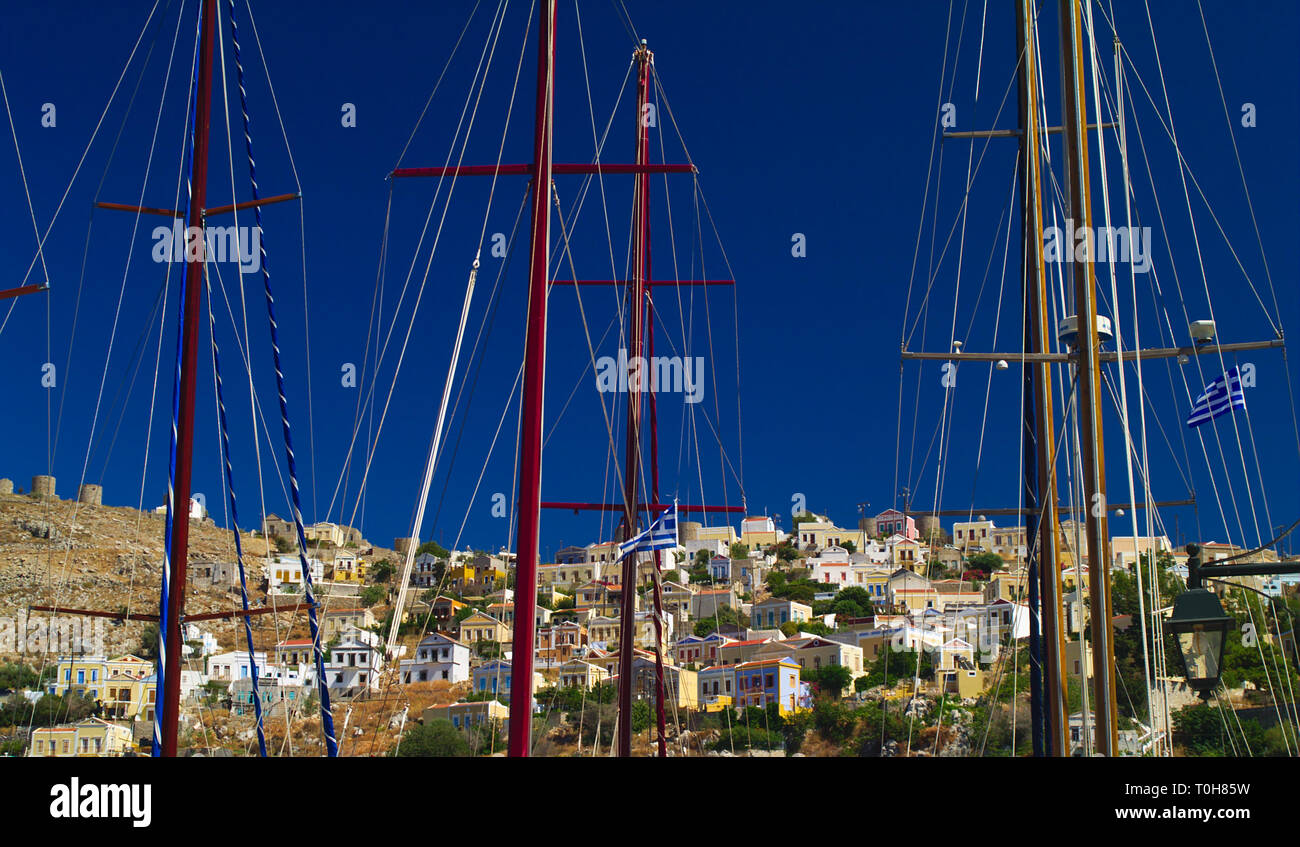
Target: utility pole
(1092,452)
(1047,682)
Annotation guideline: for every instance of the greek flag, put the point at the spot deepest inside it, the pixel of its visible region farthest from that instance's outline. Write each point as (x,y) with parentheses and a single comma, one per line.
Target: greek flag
(1219,397)
(660,535)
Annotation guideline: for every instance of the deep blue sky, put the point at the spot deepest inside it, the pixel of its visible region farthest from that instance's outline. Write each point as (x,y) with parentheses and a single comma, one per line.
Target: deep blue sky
(814,120)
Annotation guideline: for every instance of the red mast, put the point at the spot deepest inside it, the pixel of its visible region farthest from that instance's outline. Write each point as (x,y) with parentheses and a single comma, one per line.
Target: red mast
(530,435)
(660,718)
(185,418)
(635,354)
(542,169)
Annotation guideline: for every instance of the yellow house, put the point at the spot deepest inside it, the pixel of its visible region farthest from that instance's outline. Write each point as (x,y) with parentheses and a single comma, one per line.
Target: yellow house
(90,737)
(125,697)
(962,682)
(348,568)
(819,534)
(1012,586)
(335,621)
(489,573)
(458,577)
(88,675)
(873,579)
(481,626)
(907,553)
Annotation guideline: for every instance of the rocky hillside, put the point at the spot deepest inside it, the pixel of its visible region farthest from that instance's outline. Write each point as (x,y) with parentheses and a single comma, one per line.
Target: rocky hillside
(61,552)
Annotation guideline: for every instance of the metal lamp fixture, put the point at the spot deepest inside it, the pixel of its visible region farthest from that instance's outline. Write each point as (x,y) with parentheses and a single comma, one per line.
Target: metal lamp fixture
(1201,627)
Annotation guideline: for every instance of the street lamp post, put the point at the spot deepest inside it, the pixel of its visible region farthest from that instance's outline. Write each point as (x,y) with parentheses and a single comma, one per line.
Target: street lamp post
(1199,622)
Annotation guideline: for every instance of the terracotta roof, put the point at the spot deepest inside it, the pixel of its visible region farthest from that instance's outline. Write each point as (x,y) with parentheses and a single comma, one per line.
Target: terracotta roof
(774,660)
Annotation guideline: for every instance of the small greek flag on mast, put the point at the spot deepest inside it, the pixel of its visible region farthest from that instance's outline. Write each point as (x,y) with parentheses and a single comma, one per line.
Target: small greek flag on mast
(1219,397)
(660,535)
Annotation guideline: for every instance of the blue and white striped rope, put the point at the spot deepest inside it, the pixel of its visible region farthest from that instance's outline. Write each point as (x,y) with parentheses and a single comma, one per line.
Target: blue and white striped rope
(234,521)
(322,683)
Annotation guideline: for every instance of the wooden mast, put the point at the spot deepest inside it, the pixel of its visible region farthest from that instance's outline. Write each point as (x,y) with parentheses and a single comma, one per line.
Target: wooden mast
(1092,453)
(194,268)
(1048,684)
(637,379)
(530,434)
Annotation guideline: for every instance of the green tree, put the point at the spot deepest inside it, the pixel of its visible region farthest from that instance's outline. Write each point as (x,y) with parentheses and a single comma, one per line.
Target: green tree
(437,738)
(985,562)
(382,571)
(373,594)
(1199,730)
(16,676)
(432,547)
(831,679)
(707,625)
(739,551)
(892,665)
(852,602)
(148,648)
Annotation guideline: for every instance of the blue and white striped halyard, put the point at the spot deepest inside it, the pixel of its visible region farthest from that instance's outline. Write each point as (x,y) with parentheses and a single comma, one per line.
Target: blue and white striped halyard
(1219,397)
(234,520)
(660,535)
(322,683)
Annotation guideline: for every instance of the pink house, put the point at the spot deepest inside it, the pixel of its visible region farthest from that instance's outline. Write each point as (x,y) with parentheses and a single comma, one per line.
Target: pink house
(893,522)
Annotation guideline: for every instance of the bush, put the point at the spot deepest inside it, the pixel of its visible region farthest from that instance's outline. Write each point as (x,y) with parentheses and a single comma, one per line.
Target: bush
(437,738)
(834,720)
(741,737)
(17,676)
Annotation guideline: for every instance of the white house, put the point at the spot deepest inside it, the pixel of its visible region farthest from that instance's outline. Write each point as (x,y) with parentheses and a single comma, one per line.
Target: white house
(437,657)
(424,572)
(228,667)
(354,664)
(831,566)
(284,573)
(207,641)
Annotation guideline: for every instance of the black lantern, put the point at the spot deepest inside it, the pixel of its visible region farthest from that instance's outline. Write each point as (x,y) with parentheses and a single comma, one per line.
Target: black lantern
(1200,625)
